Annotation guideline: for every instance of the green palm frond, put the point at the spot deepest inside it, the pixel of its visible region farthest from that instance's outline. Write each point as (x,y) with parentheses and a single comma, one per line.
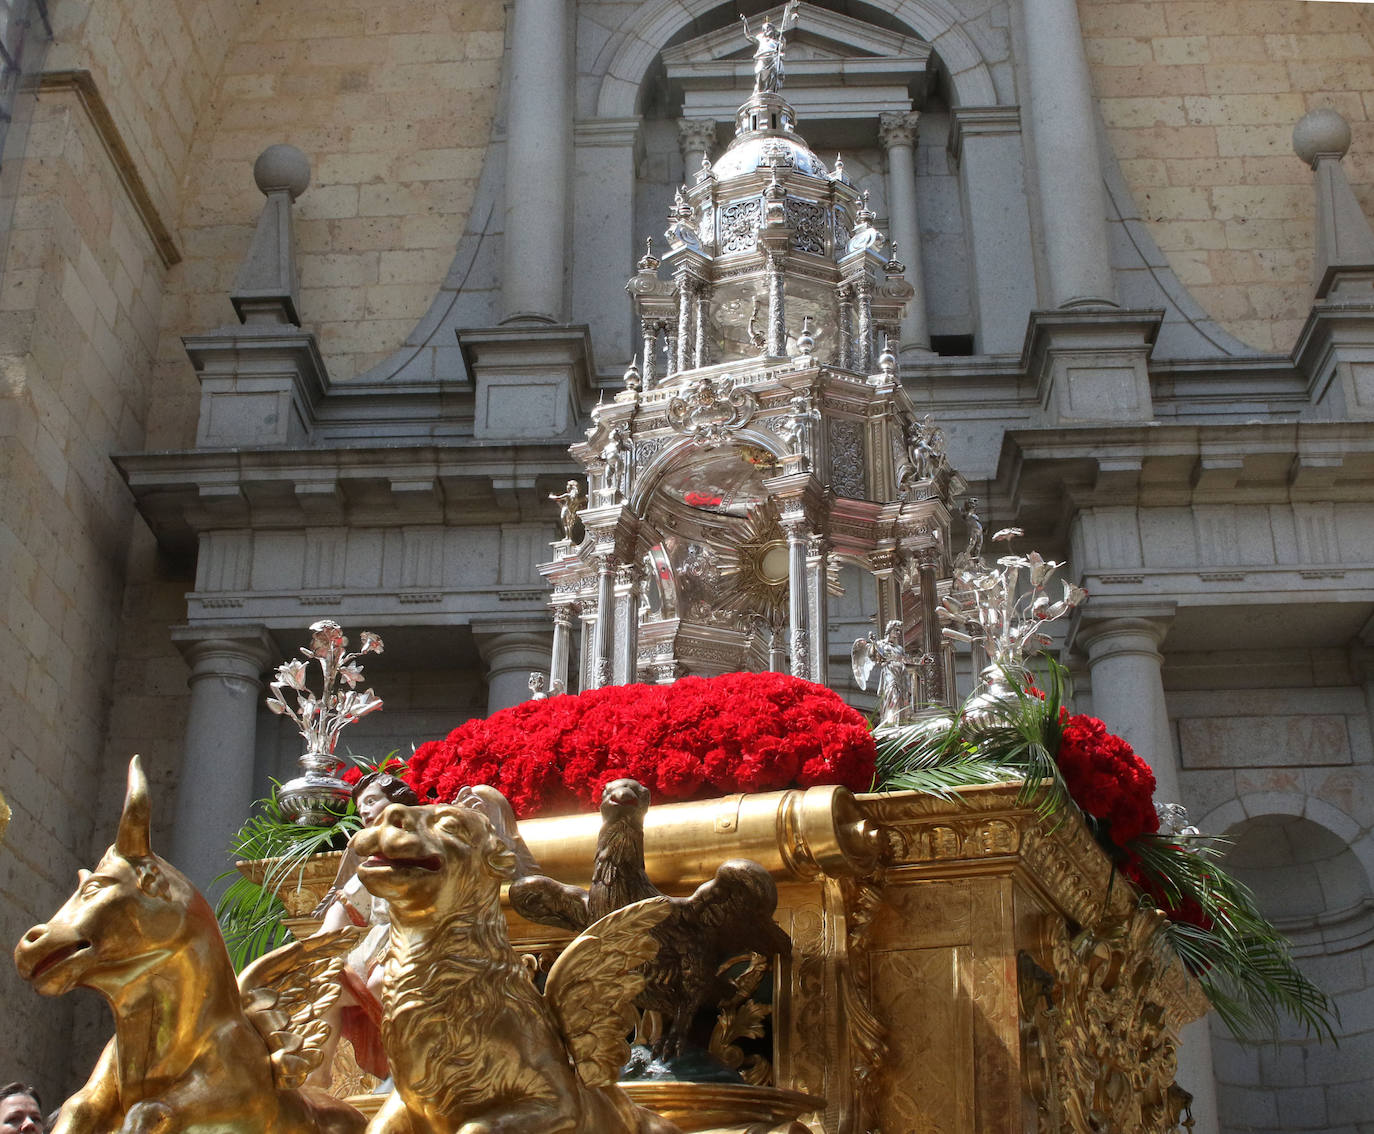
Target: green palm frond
(1243,963)
(250,915)
(991,740)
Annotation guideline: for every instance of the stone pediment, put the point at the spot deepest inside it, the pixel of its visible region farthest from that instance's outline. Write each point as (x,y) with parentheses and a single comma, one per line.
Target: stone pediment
(827,34)
(837,67)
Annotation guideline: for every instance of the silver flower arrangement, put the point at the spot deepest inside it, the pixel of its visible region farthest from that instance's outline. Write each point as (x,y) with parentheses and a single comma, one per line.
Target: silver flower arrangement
(993,612)
(317,797)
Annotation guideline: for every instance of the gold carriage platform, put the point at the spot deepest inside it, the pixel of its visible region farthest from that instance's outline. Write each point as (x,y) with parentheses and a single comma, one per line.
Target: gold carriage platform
(960,966)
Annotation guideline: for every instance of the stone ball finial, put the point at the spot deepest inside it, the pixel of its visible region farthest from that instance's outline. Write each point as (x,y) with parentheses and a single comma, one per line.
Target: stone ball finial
(1321,131)
(282,167)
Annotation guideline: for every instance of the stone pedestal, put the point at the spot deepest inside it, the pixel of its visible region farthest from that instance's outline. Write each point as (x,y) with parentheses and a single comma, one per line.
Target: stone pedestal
(259,385)
(1091,365)
(1335,352)
(530,380)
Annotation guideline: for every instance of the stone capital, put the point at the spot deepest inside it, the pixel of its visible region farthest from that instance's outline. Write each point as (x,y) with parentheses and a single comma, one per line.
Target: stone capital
(1119,637)
(696,135)
(898,128)
(240,653)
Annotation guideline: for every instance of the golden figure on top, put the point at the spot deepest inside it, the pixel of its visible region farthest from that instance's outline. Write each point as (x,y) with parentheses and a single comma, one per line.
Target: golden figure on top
(194,1050)
(474,1047)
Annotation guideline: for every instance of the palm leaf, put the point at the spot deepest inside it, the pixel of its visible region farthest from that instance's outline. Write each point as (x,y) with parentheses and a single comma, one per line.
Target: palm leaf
(1243,963)
(990,740)
(250,915)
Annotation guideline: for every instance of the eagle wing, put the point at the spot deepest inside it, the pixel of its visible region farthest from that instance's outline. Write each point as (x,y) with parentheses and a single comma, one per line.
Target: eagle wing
(285,995)
(547,901)
(735,909)
(592,987)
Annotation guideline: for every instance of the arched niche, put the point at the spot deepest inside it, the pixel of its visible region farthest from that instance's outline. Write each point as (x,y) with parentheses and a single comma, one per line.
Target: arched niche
(644,129)
(1307,880)
(1315,887)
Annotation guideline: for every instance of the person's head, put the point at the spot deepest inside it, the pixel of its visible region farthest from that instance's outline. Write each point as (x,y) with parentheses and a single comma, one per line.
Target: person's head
(21,1110)
(376,790)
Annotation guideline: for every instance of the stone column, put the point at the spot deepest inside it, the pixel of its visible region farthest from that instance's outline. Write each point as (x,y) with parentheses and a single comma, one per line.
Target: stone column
(562,646)
(215,788)
(510,653)
(538,147)
(1063,121)
(986,144)
(897,134)
(697,137)
(1128,691)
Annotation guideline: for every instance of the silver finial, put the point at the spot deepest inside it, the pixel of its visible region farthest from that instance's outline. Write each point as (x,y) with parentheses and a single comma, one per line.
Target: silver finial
(894,266)
(632,375)
(887,361)
(649,262)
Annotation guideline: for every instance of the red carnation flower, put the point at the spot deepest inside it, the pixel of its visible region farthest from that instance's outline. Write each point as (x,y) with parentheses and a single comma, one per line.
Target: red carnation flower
(697,737)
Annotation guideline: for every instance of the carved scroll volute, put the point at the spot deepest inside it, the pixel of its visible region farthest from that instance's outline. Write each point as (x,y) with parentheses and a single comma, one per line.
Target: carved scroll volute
(1097,1045)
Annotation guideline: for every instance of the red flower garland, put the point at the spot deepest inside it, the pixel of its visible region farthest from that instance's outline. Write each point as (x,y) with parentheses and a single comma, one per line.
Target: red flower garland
(1107,779)
(698,737)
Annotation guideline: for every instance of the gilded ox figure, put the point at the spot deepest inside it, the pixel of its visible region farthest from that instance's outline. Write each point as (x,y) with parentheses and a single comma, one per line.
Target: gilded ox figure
(474,1047)
(193,1051)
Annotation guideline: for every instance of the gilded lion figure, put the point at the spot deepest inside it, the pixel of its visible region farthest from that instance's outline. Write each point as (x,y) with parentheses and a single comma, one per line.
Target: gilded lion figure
(474,1046)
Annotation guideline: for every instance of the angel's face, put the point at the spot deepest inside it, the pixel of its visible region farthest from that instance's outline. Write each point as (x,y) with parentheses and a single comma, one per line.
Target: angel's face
(371,803)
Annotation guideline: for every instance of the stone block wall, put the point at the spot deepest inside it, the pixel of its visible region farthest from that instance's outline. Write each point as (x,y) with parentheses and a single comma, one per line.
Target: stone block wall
(155,63)
(1199,101)
(78,329)
(393,104)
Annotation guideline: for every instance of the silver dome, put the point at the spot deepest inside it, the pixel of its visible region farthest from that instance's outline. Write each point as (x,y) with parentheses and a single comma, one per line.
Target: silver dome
(748,152)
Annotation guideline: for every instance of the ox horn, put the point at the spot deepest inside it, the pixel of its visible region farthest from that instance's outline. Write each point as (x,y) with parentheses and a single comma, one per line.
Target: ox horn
(133,839)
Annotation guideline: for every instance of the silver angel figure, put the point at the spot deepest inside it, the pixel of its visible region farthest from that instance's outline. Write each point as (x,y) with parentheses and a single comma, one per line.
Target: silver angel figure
(769,46)
(613,454)
(889,658)
(796,426)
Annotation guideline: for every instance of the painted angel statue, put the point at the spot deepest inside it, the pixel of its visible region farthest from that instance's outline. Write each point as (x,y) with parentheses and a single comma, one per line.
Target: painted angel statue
(768,73)
(889,658)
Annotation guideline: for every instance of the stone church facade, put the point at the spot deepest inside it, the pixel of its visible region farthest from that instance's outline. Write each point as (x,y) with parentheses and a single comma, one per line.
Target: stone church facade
(232,406)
